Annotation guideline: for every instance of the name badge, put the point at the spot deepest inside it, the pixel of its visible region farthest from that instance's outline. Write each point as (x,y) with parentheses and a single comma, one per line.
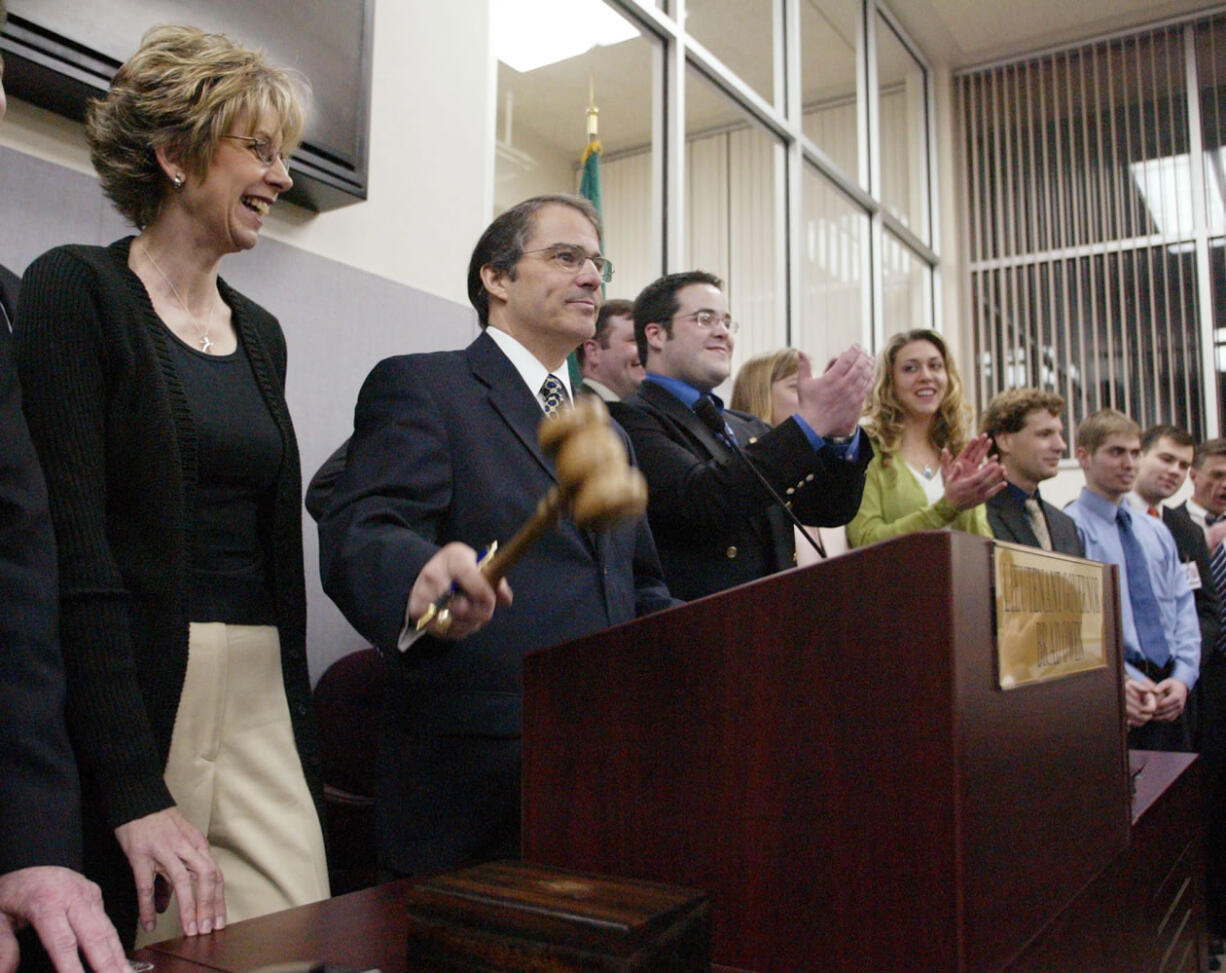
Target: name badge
(1193,573)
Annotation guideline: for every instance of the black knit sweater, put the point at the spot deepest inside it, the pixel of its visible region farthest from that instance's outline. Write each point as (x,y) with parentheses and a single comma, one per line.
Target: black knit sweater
(115,437)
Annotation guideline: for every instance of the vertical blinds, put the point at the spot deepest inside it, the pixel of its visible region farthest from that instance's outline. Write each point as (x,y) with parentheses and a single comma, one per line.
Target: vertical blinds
(1088,245)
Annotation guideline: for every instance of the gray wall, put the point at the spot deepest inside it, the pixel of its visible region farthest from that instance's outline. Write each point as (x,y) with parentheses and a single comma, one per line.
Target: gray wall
(338,320)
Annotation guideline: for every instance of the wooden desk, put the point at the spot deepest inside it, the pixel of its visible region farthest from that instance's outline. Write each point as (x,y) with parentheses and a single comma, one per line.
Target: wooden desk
(1144,912)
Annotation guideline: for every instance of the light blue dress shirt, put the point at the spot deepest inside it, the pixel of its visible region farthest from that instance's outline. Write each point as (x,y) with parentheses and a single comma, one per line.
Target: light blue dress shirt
(1095,517)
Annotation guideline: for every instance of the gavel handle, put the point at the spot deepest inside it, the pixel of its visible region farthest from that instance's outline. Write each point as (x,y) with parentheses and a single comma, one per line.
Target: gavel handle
(496,566)
(548,512)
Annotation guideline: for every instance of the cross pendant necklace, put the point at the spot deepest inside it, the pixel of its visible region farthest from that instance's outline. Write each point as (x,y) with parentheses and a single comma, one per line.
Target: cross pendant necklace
(206,343)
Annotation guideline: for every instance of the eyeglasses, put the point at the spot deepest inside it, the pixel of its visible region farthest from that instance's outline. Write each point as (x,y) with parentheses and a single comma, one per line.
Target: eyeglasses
(709,319)
(261,148)
(572,257)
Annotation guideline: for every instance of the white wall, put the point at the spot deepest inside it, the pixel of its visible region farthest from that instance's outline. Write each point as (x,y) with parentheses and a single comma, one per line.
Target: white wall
(380,277)
(431,157)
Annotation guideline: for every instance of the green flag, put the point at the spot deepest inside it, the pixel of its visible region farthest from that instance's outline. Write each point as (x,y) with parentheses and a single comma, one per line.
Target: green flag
(589,189)
(589,185)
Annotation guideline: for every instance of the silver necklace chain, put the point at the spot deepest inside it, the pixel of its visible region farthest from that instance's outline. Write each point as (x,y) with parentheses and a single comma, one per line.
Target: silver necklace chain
(206,343)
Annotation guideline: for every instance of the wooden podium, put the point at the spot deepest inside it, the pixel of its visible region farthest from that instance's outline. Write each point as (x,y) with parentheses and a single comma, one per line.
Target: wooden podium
(828,754)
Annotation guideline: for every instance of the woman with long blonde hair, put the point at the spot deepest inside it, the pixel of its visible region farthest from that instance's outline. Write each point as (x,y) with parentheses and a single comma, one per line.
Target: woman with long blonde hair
(928,473)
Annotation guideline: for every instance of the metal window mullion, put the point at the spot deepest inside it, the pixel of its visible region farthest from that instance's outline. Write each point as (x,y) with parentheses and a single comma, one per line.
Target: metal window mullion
(935,275)
(992,295)
(1060,221)
(794,173)
(1204,270)
(1165,405)
(1075,222)
(1114,295)
(1143,385)
(1008,225)
(876,240)
(1019,202)
(1160,281)
(968,102)
(1034,228)
(973,221)
(1090,276)
(675,151)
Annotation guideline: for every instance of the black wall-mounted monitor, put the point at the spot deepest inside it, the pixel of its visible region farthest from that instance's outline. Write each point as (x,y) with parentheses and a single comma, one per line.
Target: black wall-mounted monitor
(58,54)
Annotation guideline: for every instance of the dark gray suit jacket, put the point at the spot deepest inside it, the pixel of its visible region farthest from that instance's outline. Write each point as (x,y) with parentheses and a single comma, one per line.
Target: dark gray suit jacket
(1009,522)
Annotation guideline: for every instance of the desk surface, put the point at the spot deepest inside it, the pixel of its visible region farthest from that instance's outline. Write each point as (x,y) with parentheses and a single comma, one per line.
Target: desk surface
(368,929)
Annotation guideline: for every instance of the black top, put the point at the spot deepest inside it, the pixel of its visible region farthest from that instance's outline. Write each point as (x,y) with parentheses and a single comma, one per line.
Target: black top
(238,456)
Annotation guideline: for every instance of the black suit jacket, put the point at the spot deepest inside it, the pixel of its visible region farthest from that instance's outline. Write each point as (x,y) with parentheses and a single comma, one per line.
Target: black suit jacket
(39,799)
(1191,545)
(714,523)
(1008,520)
(445,449)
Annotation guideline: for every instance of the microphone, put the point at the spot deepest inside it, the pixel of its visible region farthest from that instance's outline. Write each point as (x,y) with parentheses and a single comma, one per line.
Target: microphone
(709,414)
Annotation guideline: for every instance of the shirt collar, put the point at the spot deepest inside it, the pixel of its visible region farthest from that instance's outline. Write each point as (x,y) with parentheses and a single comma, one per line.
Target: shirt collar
(683,390)
(1101,507)
(529,367)
(1137,502)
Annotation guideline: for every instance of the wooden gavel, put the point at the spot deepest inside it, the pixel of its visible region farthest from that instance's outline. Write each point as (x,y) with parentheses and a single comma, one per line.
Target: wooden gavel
(596,484)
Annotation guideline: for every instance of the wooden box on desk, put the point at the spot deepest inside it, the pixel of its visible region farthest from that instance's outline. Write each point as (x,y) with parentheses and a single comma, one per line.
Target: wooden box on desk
(511,916)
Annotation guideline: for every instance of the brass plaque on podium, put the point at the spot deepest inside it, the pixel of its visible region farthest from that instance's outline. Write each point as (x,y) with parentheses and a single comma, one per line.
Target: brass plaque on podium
(1050,618)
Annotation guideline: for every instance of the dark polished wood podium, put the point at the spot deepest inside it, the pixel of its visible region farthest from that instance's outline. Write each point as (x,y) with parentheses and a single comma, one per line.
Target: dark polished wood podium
(828,754)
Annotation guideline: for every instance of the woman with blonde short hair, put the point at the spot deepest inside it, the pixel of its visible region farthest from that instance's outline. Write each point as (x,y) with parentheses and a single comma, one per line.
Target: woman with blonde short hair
(156,396)
(927,473)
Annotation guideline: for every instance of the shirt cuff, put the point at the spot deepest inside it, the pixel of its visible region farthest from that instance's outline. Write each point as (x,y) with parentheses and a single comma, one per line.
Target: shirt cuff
(849,451)
(408,633)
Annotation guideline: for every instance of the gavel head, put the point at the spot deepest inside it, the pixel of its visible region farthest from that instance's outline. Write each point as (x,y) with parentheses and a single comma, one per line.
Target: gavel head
(611,495)
(582,442)
(592,465)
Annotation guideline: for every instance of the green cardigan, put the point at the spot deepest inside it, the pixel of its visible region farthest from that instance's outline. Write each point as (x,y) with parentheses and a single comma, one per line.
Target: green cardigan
(894,503)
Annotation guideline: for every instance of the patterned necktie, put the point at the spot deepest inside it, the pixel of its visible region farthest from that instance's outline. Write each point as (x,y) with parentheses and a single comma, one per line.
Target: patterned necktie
(1146,616)
(1038,523)
(553,395)
(1217,565)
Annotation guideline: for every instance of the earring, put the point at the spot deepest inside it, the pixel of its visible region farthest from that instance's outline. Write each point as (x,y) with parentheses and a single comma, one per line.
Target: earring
(177,181)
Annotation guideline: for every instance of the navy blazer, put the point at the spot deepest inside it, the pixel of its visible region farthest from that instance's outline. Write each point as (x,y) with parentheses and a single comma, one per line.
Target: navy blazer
(1007,517)
(445,449)
(714,523)
(40,820)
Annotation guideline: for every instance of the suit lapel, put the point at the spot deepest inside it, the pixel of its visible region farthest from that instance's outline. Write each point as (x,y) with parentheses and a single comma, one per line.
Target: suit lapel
(509,396)
(681,415)
(1013,516)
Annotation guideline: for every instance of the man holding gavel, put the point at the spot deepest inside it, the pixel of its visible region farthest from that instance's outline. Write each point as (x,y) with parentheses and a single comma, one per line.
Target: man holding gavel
(444,459)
